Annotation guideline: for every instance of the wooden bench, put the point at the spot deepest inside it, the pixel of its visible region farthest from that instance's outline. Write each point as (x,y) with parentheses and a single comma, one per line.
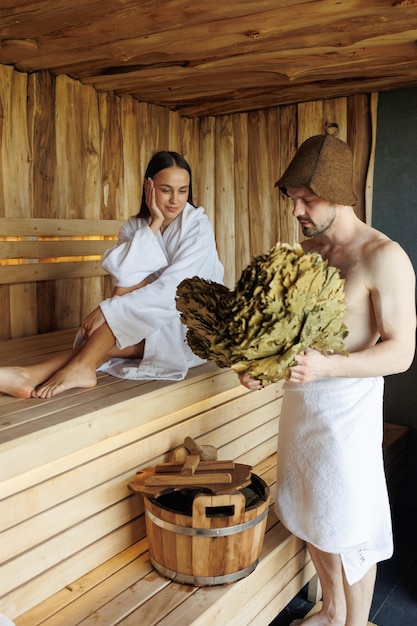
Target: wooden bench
(73,535)
(74,548)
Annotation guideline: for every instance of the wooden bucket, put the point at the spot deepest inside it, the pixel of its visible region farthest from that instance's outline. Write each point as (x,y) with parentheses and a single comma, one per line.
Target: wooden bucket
(217,541)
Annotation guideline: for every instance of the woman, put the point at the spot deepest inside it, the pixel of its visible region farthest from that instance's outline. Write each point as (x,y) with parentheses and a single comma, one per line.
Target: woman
(137,333)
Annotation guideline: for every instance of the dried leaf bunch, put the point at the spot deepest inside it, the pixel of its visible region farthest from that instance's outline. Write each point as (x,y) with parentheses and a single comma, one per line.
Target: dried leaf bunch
(285,301)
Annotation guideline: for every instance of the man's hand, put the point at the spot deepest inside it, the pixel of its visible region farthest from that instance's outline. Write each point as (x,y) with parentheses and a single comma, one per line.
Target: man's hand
(311,365)
(250,383)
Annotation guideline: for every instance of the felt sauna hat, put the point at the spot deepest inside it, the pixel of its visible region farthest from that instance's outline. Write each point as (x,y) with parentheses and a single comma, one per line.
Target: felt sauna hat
(325,164)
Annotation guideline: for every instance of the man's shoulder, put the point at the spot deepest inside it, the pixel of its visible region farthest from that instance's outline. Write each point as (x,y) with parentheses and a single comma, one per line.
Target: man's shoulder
(381,252)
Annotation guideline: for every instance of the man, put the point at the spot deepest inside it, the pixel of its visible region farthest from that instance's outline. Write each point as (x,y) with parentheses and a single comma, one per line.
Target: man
(331,488)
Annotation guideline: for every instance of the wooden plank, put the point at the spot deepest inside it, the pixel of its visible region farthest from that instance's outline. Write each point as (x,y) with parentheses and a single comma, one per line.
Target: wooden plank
(359,138)
(336,110)
(123,569)
(132,183)
(42,138)
(33,272)
(174,131)
(206,171)
(16,171)
(92,293)
(261,232)
(272,130)
(26,227)
(57,549)
(5,317)
(309,120)
(111,155)
(373,109)
(68,301)
(36,554)
(241,191)
(190,148)
(47,249)
(80,504)
(278,601)
(225,219)
(146,148)
(23,306)
(35,346)
(288,227)
(77,564)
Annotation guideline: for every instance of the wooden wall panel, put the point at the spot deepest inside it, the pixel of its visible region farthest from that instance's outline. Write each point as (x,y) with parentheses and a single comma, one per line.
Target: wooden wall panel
(225,196)
(15,155)
(242,208)
(42,140)
(360,139)
(77,153)
(204,171)
(110,154)
(288,229)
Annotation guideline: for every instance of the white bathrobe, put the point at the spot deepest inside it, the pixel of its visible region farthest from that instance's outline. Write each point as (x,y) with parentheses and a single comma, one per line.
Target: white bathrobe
(187,248)
(331,486)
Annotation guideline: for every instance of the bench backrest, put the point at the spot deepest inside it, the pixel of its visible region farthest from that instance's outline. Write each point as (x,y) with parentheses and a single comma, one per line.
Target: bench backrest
(46,249)
(50,273)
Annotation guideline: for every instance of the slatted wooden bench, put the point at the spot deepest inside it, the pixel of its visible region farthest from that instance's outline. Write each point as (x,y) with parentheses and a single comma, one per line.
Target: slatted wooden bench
(73,535)
(74,549)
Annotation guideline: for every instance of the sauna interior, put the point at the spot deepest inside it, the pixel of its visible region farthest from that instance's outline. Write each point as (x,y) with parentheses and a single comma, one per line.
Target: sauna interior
(88,92)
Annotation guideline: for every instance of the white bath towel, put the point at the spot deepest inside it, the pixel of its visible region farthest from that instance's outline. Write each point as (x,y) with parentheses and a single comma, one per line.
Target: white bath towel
(5,621)
(331,486)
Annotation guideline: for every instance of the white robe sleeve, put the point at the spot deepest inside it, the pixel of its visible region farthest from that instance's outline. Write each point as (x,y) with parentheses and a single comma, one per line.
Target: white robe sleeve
(137,254)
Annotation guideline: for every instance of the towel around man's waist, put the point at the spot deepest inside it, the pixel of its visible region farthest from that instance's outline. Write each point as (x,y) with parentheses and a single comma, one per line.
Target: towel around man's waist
(331,487)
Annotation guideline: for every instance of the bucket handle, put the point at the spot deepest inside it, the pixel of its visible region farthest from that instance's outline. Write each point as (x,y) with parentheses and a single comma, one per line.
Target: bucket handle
(229,507)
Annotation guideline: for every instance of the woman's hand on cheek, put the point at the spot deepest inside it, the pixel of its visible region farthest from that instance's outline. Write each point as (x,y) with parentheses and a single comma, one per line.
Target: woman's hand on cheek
(150,197)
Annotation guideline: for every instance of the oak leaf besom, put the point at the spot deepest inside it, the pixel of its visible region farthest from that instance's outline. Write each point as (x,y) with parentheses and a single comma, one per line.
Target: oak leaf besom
(284,302)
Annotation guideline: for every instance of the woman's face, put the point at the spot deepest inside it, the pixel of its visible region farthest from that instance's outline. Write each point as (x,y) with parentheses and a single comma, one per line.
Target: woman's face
(171,191)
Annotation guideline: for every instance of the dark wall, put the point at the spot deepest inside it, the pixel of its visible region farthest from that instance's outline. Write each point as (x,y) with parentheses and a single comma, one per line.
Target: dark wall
(394,211)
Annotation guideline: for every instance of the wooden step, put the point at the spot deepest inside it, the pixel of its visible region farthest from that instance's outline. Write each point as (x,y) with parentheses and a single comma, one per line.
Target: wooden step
(65,464)
(126,590)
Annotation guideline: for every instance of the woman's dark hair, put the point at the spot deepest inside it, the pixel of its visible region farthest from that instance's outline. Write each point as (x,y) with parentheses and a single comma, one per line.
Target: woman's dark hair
(160,161)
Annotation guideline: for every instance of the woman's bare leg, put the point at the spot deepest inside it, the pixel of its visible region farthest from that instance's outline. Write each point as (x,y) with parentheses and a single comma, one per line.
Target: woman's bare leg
(80,371)
(19,381)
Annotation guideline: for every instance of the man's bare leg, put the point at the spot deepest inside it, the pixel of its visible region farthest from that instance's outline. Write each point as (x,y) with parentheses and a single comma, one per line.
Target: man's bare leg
(19,381)
(343,604)
(359,598)
(80,371)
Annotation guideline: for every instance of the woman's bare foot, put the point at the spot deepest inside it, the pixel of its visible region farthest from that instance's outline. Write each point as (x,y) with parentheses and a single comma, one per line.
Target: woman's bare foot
(73,375)
(16,381)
